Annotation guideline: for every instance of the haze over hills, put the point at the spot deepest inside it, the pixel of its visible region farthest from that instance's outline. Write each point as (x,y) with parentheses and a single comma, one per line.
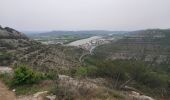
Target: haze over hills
(65,37)
(78,33)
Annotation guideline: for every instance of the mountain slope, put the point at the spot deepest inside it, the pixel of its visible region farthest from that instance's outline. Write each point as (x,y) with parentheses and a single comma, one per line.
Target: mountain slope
(146,45)
(17,48)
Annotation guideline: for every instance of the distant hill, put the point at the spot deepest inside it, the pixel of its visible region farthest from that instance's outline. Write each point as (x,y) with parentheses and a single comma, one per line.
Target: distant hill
(82,32)
(147,45)
(90,32)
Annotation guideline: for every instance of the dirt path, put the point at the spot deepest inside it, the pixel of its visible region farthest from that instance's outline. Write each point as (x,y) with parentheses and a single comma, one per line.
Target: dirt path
(5,93)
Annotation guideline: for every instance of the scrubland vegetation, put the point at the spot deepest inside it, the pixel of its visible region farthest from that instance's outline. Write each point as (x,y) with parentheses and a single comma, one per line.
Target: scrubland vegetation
(25,80)
(5,58)
(150,79)
(139,63)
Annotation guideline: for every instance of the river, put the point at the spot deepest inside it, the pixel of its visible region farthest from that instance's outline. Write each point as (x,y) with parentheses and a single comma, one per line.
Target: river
(84,41)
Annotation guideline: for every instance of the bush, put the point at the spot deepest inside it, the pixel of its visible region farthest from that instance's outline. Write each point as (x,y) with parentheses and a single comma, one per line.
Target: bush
(24,75)
(24,80)
(53,75)
(86,71)
(113,70)
(123,70)
(154,80)
(81,71)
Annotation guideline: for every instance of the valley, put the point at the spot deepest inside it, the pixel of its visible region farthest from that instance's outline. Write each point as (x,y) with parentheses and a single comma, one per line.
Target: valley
(102,66)
(84,49)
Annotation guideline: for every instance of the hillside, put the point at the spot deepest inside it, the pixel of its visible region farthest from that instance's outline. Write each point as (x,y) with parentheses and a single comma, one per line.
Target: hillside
(140,59)
(11,33)
(133,66)
(17,48)
(146,45)
(37,68)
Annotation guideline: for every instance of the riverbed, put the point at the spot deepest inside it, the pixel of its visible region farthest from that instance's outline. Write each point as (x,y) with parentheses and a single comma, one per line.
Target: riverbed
(84,41)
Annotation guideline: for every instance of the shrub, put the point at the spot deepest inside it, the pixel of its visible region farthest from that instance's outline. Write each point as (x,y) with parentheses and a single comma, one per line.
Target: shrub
(112,70)
(154,80)
(24,75)
(81,71)
(86,71)
(53,75)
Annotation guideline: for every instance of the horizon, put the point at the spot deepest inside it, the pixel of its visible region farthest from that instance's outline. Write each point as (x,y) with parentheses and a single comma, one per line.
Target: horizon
(93,30)
(53,30)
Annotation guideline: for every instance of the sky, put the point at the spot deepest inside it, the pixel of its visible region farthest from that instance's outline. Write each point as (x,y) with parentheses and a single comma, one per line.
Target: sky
(43,15)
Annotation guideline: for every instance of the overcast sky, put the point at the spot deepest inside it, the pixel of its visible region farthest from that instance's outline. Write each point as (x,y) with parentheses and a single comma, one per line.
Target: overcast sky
(39,15)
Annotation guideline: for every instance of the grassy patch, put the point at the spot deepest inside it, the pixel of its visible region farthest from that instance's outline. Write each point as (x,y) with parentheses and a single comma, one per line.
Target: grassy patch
(62,93)
(31,89)
(27,89)
(6,78)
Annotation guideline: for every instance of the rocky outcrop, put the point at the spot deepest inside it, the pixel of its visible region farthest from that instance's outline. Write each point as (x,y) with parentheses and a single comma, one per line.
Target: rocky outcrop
(5,69)
(9,33)
(12,39)
(136,96)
